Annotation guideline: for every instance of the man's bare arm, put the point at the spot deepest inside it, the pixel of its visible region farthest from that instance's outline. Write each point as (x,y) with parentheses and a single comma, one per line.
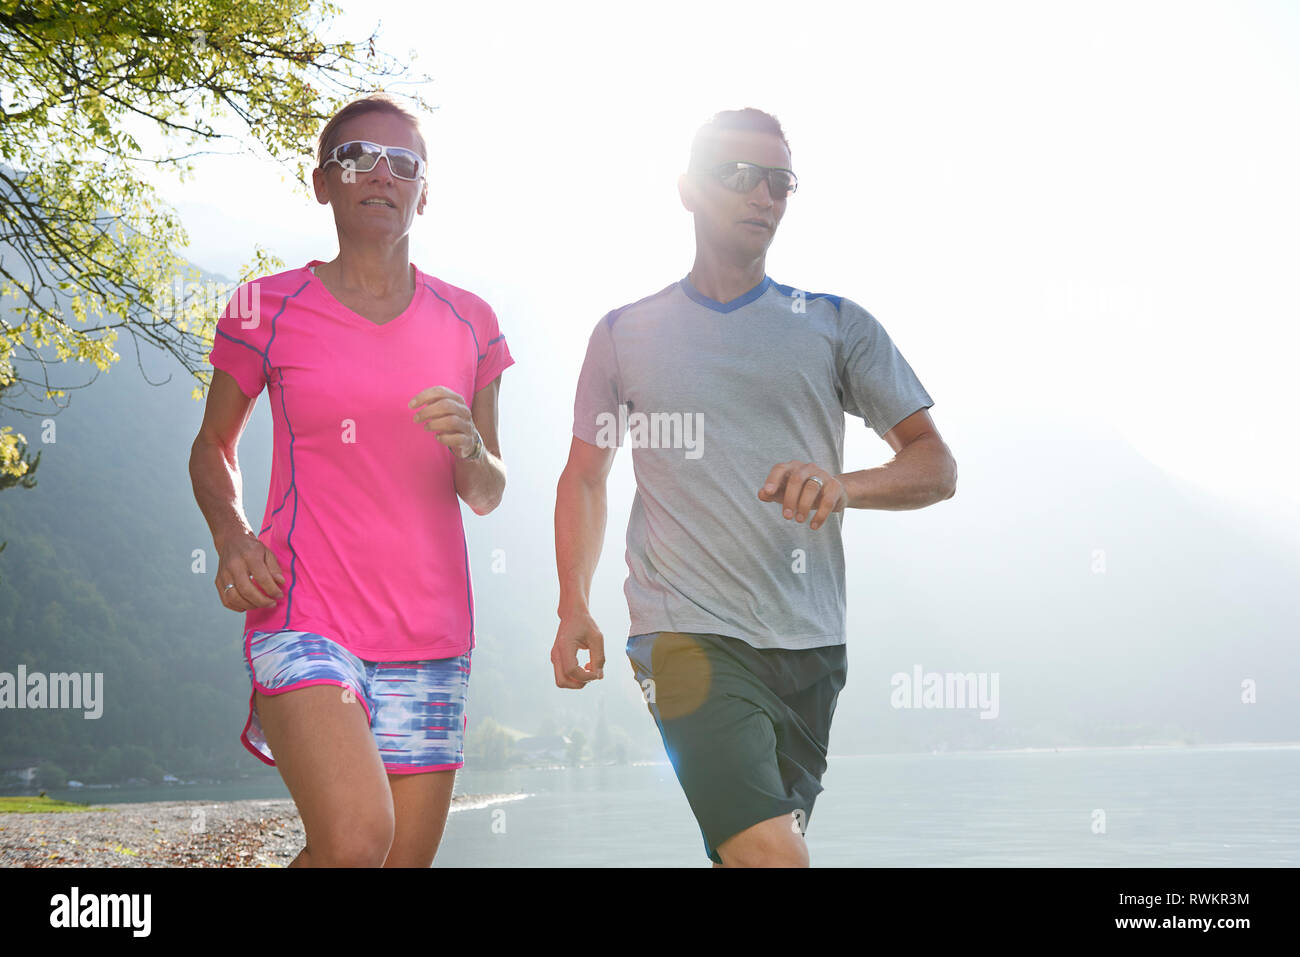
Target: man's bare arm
(921,472)
(580,513)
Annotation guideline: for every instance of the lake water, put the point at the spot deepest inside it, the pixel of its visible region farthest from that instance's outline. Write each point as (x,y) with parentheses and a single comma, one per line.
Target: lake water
(1151,807)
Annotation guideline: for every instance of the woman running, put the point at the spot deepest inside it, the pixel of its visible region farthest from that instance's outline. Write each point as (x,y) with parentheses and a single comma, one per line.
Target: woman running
(383,383)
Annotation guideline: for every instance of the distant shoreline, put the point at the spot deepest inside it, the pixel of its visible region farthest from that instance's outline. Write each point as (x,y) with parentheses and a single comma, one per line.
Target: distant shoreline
(1036,749)
(1232,746)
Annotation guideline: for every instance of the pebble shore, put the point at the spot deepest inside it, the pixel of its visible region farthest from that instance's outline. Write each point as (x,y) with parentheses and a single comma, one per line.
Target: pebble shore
(158,834)
(253,833)
(265,833)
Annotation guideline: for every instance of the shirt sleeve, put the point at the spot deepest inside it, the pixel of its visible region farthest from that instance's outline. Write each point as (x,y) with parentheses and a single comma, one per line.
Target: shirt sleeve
(599,394)
(876,382)
(239,344)
(495,357)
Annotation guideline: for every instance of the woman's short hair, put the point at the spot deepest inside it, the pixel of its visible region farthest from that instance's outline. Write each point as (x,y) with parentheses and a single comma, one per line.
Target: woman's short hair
(374,103)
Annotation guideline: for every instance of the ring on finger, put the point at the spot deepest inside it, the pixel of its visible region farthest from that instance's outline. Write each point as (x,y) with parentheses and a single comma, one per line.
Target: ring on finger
(820,483)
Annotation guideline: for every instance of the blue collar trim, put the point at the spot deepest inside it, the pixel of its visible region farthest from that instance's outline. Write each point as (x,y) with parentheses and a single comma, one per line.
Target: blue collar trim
(742,300)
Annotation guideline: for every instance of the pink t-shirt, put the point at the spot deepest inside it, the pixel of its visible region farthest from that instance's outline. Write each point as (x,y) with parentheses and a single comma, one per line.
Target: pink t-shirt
(362,512)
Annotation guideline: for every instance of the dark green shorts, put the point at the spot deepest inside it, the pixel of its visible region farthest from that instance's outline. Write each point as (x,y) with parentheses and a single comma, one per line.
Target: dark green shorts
(746,729)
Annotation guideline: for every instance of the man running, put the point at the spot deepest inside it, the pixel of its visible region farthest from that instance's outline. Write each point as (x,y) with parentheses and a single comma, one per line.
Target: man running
(732,390)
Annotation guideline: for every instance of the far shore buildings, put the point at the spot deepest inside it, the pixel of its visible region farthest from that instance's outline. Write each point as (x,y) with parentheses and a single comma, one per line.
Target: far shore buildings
(19,769)
(542,749)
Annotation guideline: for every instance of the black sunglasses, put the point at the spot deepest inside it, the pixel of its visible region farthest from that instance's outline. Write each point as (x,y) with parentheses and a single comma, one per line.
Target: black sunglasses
(743,177)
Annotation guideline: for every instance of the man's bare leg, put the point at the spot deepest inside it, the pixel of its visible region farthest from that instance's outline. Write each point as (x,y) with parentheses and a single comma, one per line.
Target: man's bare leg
(775,842)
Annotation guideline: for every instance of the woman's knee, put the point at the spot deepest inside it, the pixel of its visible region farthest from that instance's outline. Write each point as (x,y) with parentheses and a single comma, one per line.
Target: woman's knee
(360,841)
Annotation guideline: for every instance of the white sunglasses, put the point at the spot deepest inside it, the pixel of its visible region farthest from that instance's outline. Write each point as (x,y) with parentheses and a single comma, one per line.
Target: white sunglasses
(362,156)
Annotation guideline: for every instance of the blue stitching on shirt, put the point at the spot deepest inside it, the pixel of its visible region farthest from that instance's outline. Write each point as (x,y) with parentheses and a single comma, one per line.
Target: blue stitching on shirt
(293,477)
(481,355)
(469,591)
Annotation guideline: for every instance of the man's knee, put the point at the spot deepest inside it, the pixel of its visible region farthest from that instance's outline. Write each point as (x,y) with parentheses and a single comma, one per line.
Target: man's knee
(776,842)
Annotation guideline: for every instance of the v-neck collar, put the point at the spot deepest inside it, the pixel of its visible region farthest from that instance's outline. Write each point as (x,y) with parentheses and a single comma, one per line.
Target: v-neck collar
(356,317)
(742,300)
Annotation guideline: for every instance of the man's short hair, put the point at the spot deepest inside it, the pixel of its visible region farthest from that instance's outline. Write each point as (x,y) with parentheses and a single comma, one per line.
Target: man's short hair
(374,103)
(746,119)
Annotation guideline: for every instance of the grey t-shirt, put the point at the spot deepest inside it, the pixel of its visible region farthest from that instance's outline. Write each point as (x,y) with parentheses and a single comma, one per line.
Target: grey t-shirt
(711,396)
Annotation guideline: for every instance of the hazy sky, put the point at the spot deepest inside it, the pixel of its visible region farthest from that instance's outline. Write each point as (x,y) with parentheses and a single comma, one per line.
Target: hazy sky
(1077,214)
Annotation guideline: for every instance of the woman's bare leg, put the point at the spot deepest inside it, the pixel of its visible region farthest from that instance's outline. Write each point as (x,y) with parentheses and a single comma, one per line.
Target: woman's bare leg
(420,806)
(327,756)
